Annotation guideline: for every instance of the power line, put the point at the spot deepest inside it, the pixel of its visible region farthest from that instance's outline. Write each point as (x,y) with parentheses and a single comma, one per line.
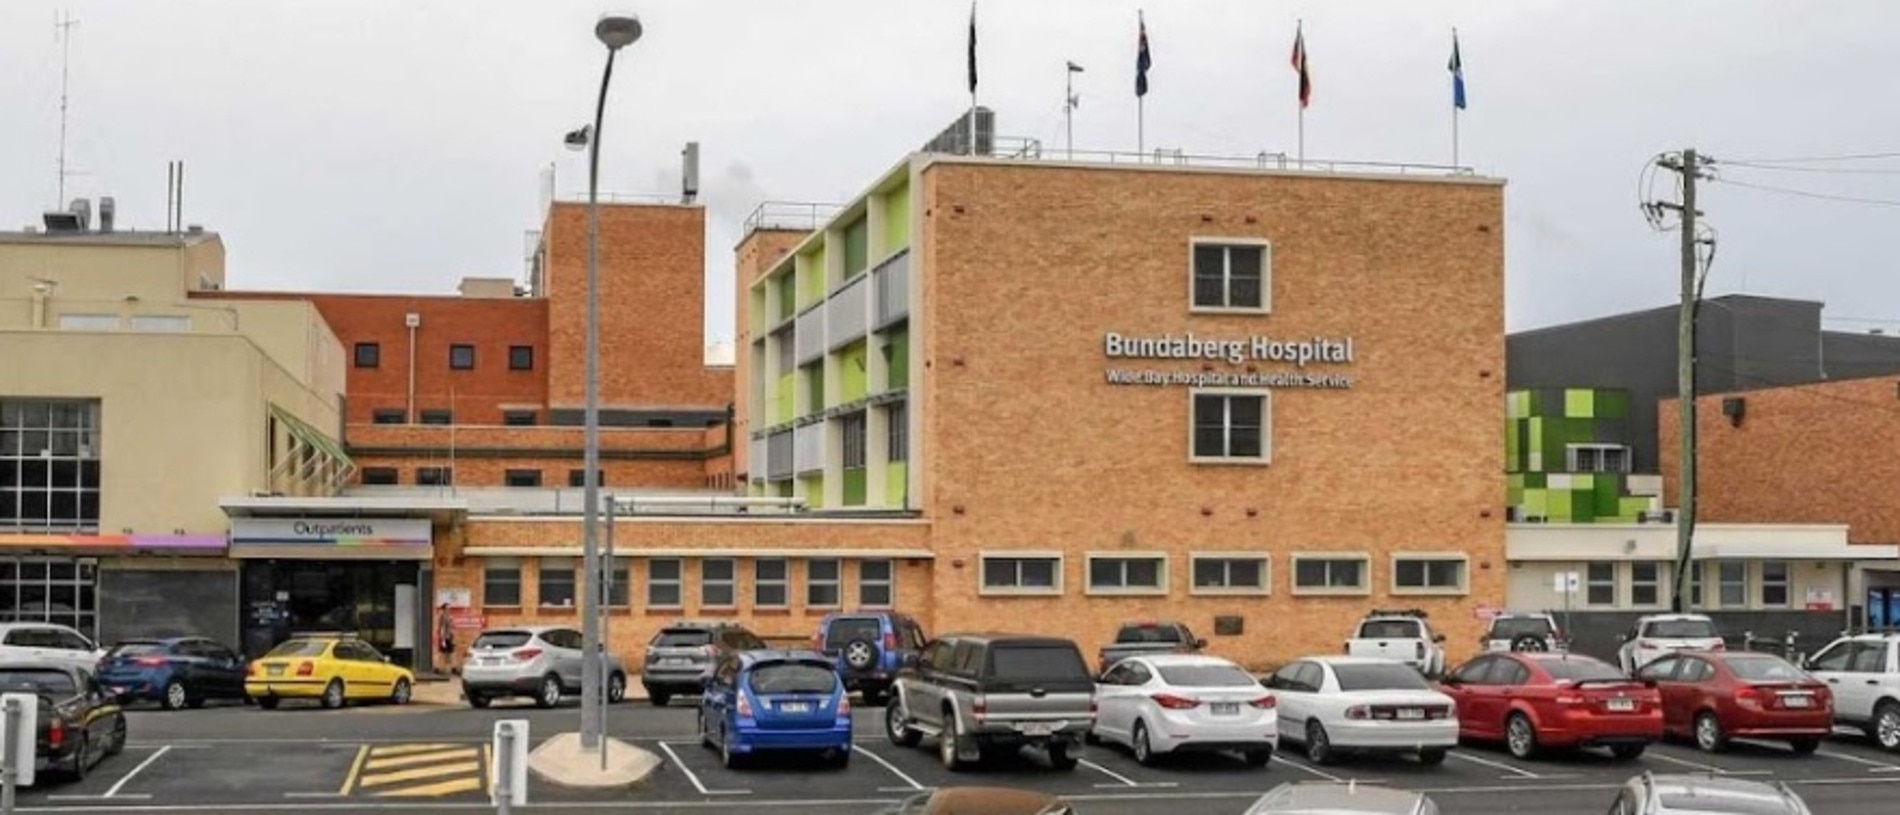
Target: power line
(1809,159)
(1793,169)
(1848,199)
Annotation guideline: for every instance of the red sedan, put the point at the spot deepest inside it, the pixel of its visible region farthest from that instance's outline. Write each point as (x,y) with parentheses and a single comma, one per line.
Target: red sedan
(1713,696)
(1537,701)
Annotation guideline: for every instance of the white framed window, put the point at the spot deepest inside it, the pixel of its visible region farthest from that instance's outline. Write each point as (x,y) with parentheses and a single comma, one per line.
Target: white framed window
(1230,275)
(821,583)
(1021,573)
(555,583)
(717,582)
(1731,578)
(1597,458)
(88,322)
(1332,573)
(171,323)
(875,584)
(620,584)
(1774,584)
(663,583)
(1128,573)
(501,581)
(1427,573)
(1646,583)
(1695,584)
(1229,573)
(1599,583)
(1230,426)
(769,578)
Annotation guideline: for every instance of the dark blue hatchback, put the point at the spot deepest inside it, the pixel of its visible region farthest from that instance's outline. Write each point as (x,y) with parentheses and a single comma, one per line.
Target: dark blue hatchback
(760,701)
(178,672)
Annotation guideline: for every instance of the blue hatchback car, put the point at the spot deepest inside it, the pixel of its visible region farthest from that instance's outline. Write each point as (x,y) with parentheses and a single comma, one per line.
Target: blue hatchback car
(177,672)
(776,701)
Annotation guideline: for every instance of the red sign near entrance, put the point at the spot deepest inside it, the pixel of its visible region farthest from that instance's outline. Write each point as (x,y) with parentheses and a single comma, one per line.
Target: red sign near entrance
(468,620)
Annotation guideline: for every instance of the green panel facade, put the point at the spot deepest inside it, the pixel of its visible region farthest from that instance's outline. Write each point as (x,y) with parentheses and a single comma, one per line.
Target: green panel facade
(857,247)
(897,360)
(854,484)
(897,219)
(1540,428)
(814,400)
(853,373)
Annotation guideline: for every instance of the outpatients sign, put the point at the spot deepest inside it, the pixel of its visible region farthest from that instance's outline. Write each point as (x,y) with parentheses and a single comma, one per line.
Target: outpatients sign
(1298,353)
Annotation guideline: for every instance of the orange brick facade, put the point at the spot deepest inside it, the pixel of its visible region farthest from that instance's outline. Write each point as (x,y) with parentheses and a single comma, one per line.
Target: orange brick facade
(757,254)
(1819,453)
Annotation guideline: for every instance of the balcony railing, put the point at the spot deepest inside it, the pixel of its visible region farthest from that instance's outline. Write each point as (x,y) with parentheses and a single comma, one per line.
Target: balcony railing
(793,215)
(891,281)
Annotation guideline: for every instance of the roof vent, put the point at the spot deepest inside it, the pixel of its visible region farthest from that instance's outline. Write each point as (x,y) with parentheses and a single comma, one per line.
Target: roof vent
(195,229)
(82,207)
(107,208)
(59,220)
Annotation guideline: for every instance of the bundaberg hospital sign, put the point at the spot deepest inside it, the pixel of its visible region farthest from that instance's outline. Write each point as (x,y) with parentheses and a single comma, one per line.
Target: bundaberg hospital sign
(1252,351)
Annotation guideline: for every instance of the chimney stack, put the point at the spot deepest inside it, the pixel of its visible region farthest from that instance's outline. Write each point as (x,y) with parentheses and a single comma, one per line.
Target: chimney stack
(689,173)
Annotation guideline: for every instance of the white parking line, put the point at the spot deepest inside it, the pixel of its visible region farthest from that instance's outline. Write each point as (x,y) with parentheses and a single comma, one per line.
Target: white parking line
(114,791)
(1877,766)
(888,766)
(1297,765)
(1707,768)
(1496,765)
(668,749)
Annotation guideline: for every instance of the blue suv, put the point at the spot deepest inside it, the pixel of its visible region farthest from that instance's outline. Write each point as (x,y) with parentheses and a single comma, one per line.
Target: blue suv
(757,701)
(869,648)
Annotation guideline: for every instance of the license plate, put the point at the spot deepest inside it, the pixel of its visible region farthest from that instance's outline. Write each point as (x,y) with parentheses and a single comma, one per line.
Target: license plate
(794,707)
(1037,728)
(1226,708)
(276,670)
(1621,704)
(1411,713)
(676,661)
(1797,700)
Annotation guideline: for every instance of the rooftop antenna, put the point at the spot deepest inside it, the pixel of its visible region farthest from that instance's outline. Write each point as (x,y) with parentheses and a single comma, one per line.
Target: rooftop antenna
(63,23)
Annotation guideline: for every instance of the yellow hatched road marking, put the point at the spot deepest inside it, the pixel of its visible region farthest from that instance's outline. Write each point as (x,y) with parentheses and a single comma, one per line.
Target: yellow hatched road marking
(412,759)
(356,768)
(488,762)
(473,768)
(435,790)
(406,749)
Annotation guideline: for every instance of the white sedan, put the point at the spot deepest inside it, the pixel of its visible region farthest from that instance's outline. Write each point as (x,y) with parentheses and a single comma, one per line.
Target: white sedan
(1170,703)
(1340,704)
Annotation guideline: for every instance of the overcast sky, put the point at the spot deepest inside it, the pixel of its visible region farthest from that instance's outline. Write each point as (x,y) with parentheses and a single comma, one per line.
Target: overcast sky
(397,146)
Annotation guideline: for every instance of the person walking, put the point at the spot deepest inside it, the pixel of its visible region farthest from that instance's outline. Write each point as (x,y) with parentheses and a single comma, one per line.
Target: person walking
(445,638)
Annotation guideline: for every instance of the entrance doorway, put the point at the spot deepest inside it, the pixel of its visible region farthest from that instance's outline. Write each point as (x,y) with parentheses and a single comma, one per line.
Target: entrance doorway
(286,598)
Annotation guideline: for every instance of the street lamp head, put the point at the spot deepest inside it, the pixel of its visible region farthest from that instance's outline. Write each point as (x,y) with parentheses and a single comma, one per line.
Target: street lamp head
(617,31)
(578,138)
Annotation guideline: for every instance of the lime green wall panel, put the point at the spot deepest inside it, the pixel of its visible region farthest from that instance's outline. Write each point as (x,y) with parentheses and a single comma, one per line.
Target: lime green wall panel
(811,277)
(814,491)
(1536,501)
(1559,504)
(853,373)
(783,398)
(857,247)
(787,285)
(1511,447)
(1632,506)
(896,483)
(1536,436)
(897,219)
(814,400)
(897,360)
(1580,403)
(854,484)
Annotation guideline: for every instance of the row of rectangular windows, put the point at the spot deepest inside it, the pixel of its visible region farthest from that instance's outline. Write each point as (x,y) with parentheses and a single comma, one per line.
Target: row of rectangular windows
(461,356)
(1603,583)
(717,584)
(445,476)
(1218,573)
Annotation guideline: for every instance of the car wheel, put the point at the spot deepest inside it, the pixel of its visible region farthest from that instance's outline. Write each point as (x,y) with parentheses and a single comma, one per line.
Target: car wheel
(1432,756)
(116,744)
(616,689)
(658,698)
(1529,644)
(1708,733)
(549,694)
(860,655)
(1060,758)
(1626,752)
(1520,737)
(1257,758)
(947,743)
(176,697)
(402,692)
(1887,726)
(726,756)
(267,702)
(478,700)
(1139,744)
(1319,746)
(333,694)
(705,733)
(897,727)
(1805,747)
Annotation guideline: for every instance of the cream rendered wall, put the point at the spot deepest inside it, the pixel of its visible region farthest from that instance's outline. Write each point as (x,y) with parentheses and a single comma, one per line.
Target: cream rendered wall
(1531,586)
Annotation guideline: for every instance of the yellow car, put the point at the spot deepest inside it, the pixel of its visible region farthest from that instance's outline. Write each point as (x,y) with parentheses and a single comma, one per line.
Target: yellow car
(331,670)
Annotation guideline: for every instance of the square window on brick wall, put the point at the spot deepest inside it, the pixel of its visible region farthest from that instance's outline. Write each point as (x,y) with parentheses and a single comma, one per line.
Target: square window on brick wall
(1230,426)
(462,357)
(1232,275)
(1428,574)
(1238,574)
(1125,574)
(769,581)
(368,355)
(1021,574)
(1331,574)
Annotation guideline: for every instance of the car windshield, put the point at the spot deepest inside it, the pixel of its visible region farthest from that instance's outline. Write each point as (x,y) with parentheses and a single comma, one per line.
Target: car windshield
(1714,801)
(1511,628)
(682,638)
(299,648)
(1369,676)
(1207,676)
(793,677)
(1148,633)
(1388,630)
(1037,662)
(502,639)
(36,680)
(1581,669)
(136,649)
(1763,668)
(848,629)
(1681,630)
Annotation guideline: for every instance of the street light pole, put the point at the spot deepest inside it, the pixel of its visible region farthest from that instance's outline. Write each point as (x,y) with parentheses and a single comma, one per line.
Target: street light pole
(615,32)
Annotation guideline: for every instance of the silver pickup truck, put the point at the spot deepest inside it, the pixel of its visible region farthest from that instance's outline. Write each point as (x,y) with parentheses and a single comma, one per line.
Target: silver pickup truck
(991,694)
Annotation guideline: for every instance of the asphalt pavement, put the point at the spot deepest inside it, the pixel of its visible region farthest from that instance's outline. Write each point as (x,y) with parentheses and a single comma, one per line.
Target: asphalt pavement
(234,759)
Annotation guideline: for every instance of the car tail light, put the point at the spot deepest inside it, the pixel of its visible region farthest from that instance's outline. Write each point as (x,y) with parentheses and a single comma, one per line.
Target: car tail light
(844,707)
(525,654)
(1093,709)
(1358,712)
(1749,698)
(1572,699)
(306,668)
(890,641)
(744,706)
(150,662)
(1647,645)
(1441,711)
(1172,702)
(980,709)
(56,735)
(251,669)
(1265,702)
(1421,650)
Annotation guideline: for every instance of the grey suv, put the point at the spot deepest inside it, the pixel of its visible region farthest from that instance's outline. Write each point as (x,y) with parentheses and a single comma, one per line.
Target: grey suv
(1660,794)
(542,662)
(992,693)
(683,654)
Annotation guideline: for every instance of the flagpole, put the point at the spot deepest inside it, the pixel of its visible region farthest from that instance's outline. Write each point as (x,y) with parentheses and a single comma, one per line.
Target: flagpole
(1455,109)
(971,150)
(1141,93)
(1141,128)
(1299,41)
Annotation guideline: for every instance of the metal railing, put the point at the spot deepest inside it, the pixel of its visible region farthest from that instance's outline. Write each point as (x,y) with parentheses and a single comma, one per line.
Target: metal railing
(1017,148)
(622,198)
(797,215)
(1783,646)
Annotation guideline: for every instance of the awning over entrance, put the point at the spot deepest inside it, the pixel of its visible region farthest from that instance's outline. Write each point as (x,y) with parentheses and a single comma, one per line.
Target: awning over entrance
(298,528)
(312,458)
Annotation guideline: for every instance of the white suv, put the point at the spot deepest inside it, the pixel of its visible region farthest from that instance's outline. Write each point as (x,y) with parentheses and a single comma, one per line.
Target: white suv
(1863,671)
(1656,635)
(48,642)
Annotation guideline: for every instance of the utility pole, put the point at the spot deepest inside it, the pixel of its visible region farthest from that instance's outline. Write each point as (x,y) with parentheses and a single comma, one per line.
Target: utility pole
(1686,165)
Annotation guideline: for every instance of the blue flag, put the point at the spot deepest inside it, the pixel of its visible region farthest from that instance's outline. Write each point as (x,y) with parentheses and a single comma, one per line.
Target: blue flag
(1142,61)
(1457,68)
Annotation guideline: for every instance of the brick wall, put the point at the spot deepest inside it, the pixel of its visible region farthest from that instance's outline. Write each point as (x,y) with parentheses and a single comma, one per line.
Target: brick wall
(1820,453)
(757,254)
